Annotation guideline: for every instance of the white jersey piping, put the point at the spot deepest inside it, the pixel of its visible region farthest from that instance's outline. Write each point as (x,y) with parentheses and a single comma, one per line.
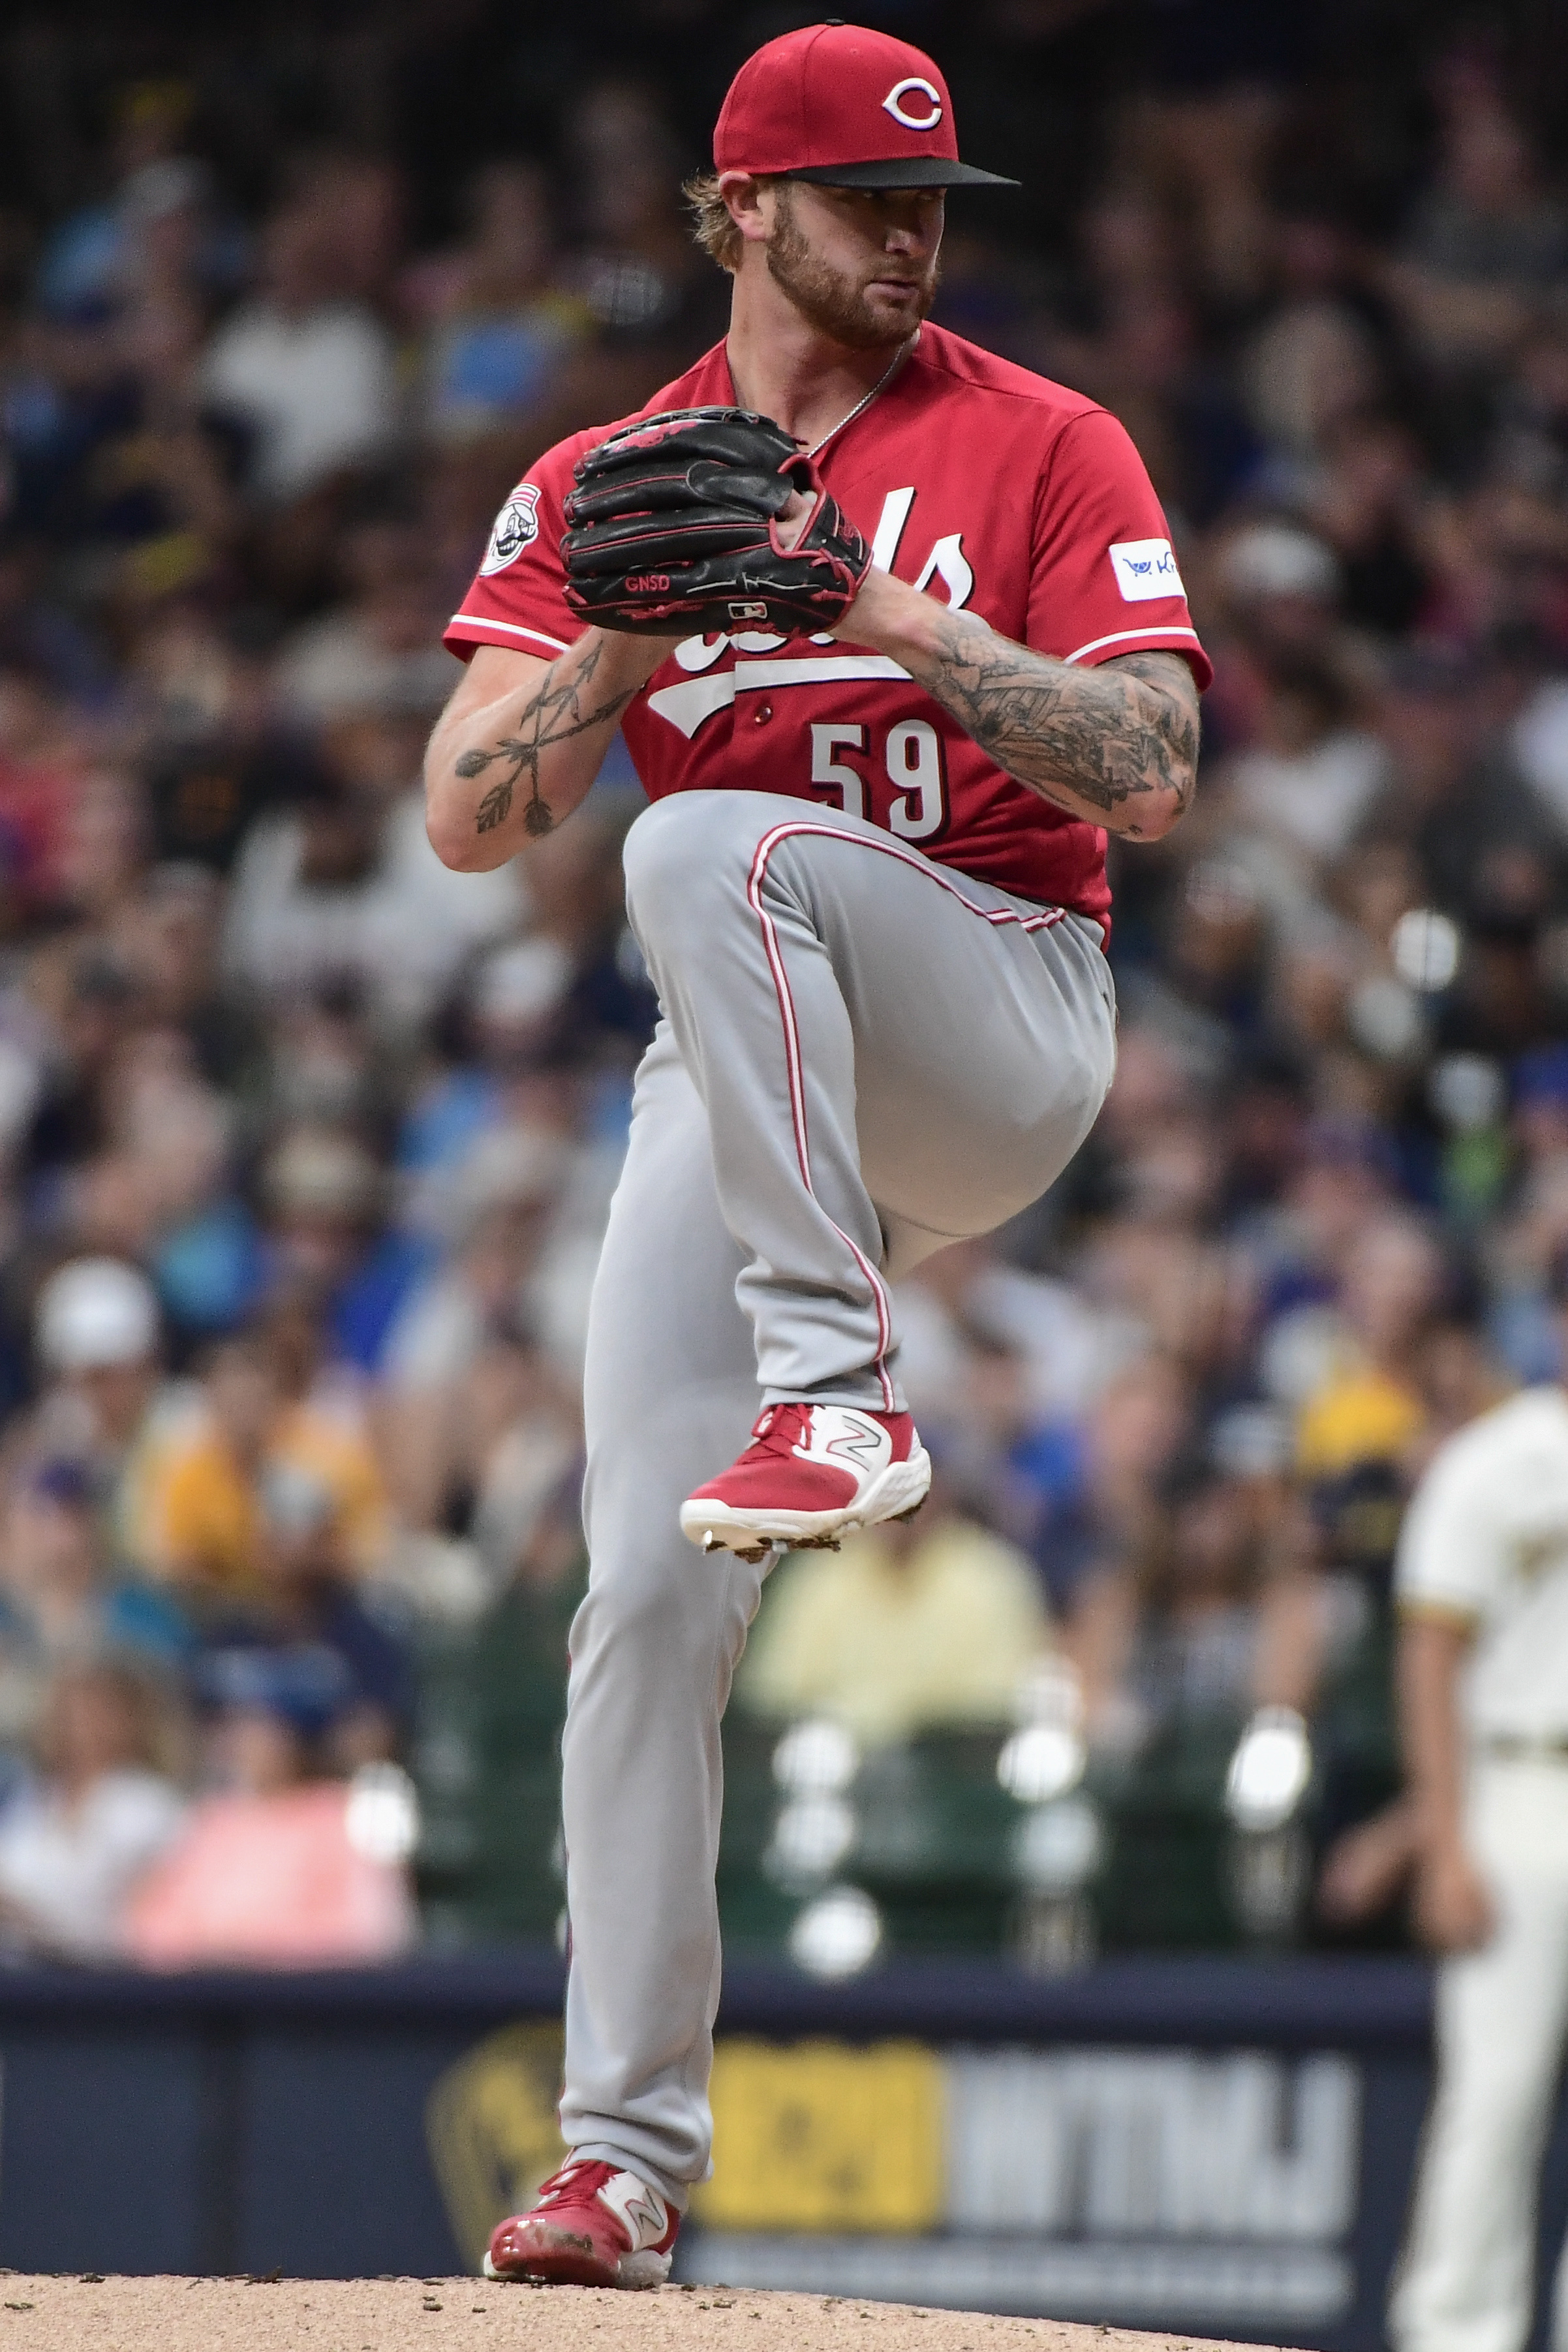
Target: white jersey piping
(1130,636)
(512,629)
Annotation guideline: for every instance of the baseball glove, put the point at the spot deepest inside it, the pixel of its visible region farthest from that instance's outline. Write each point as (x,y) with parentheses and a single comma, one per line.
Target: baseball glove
(674,521)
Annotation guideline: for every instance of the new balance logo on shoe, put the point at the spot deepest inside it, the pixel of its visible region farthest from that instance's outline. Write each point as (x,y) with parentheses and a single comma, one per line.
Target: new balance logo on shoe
(811,1474)
(641,2210)
(834,1432)
(591,2226)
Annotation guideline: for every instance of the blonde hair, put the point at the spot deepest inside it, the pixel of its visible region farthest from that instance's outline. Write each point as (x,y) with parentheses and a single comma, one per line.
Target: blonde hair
(712,226)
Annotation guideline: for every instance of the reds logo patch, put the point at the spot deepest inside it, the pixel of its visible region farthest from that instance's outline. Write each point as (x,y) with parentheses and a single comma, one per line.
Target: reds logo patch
(517,527)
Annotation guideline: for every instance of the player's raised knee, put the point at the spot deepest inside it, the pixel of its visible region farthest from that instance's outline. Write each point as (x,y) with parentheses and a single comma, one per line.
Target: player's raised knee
(682,849)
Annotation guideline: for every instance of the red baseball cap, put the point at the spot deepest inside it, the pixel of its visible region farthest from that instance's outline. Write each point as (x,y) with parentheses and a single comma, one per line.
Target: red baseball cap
(846,108)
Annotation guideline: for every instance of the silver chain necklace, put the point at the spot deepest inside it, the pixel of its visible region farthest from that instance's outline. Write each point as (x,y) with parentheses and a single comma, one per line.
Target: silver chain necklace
(900,356)
(864,401)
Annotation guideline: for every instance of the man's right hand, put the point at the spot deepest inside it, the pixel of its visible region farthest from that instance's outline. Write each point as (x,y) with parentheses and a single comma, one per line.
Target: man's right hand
(1454,1907)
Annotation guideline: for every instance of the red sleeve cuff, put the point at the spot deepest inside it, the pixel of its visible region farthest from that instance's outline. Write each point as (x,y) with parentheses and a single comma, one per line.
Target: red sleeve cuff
(466,630)
(1175,637)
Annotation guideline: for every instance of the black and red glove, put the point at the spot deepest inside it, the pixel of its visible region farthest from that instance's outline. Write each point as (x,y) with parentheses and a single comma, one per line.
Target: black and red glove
(673,522)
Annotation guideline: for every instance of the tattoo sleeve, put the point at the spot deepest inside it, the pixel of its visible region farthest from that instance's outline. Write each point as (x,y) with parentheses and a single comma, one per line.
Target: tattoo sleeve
(1116,745)
(564,705)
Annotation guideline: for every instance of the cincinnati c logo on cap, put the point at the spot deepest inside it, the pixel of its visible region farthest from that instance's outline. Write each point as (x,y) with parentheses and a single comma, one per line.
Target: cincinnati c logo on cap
(915,84)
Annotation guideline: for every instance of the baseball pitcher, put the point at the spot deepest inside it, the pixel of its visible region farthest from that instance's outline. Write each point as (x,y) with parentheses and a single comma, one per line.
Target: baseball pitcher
(895,635)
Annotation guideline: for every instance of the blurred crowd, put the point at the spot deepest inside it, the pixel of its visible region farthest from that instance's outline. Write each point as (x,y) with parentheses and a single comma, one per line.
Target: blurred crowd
(306,1145)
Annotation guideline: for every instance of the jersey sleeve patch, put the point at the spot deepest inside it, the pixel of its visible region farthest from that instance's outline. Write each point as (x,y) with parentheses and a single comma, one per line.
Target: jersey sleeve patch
(1146,568)
(1100,544)
(517,596)
(517,527)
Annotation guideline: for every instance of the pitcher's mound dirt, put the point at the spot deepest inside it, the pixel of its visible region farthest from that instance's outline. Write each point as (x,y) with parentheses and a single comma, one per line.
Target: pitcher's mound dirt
(464,2314)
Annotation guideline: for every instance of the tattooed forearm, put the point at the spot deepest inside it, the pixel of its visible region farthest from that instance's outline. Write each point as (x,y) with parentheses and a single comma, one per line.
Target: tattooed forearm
(1117,744)
(496,804)
(562,708)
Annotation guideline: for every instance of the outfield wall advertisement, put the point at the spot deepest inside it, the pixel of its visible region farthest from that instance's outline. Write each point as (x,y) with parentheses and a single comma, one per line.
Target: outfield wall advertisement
(1216,2190)
(1219,2189)
(1219,2145)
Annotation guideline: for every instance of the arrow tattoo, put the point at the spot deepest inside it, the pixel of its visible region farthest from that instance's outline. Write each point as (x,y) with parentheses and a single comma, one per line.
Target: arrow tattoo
(555,715)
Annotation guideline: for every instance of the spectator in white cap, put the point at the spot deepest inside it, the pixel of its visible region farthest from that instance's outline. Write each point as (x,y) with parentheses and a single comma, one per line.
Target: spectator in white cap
(96,1335)
(96,1315)
(1280,588)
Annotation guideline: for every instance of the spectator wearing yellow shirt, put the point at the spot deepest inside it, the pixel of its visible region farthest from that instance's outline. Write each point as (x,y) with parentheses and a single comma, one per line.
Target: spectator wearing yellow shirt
(213,1504)
(908,1628)
(1370,1408)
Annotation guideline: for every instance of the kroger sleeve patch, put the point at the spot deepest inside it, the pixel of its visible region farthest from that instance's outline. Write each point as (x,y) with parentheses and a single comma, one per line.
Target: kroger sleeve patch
(1105,581)
(1146,568)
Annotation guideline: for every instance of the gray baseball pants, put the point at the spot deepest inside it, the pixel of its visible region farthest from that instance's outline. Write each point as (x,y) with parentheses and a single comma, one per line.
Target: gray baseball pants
(864,1056)
(1466,2280)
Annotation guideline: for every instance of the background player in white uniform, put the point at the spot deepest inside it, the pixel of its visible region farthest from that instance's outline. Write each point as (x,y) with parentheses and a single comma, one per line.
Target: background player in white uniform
(1482,1582)
(872,894)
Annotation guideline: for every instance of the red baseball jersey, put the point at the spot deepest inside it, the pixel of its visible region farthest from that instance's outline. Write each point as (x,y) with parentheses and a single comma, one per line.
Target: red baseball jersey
(977,482)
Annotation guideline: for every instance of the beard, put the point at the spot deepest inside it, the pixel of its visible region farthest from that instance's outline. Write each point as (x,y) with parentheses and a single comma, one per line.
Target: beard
(837,305)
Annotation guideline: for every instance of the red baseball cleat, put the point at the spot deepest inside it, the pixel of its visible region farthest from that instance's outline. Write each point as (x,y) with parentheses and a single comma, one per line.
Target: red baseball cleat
(811,1473)
(592,2226)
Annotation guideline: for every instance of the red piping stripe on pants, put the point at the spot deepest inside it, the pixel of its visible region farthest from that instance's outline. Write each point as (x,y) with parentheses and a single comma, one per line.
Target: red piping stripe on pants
(996,915)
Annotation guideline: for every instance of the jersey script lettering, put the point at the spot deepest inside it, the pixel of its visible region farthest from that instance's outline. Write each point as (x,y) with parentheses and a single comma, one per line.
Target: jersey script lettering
(1024,515)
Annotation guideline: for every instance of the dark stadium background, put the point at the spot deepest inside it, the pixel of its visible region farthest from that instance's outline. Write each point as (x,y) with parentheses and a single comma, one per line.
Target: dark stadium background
(351,1128)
